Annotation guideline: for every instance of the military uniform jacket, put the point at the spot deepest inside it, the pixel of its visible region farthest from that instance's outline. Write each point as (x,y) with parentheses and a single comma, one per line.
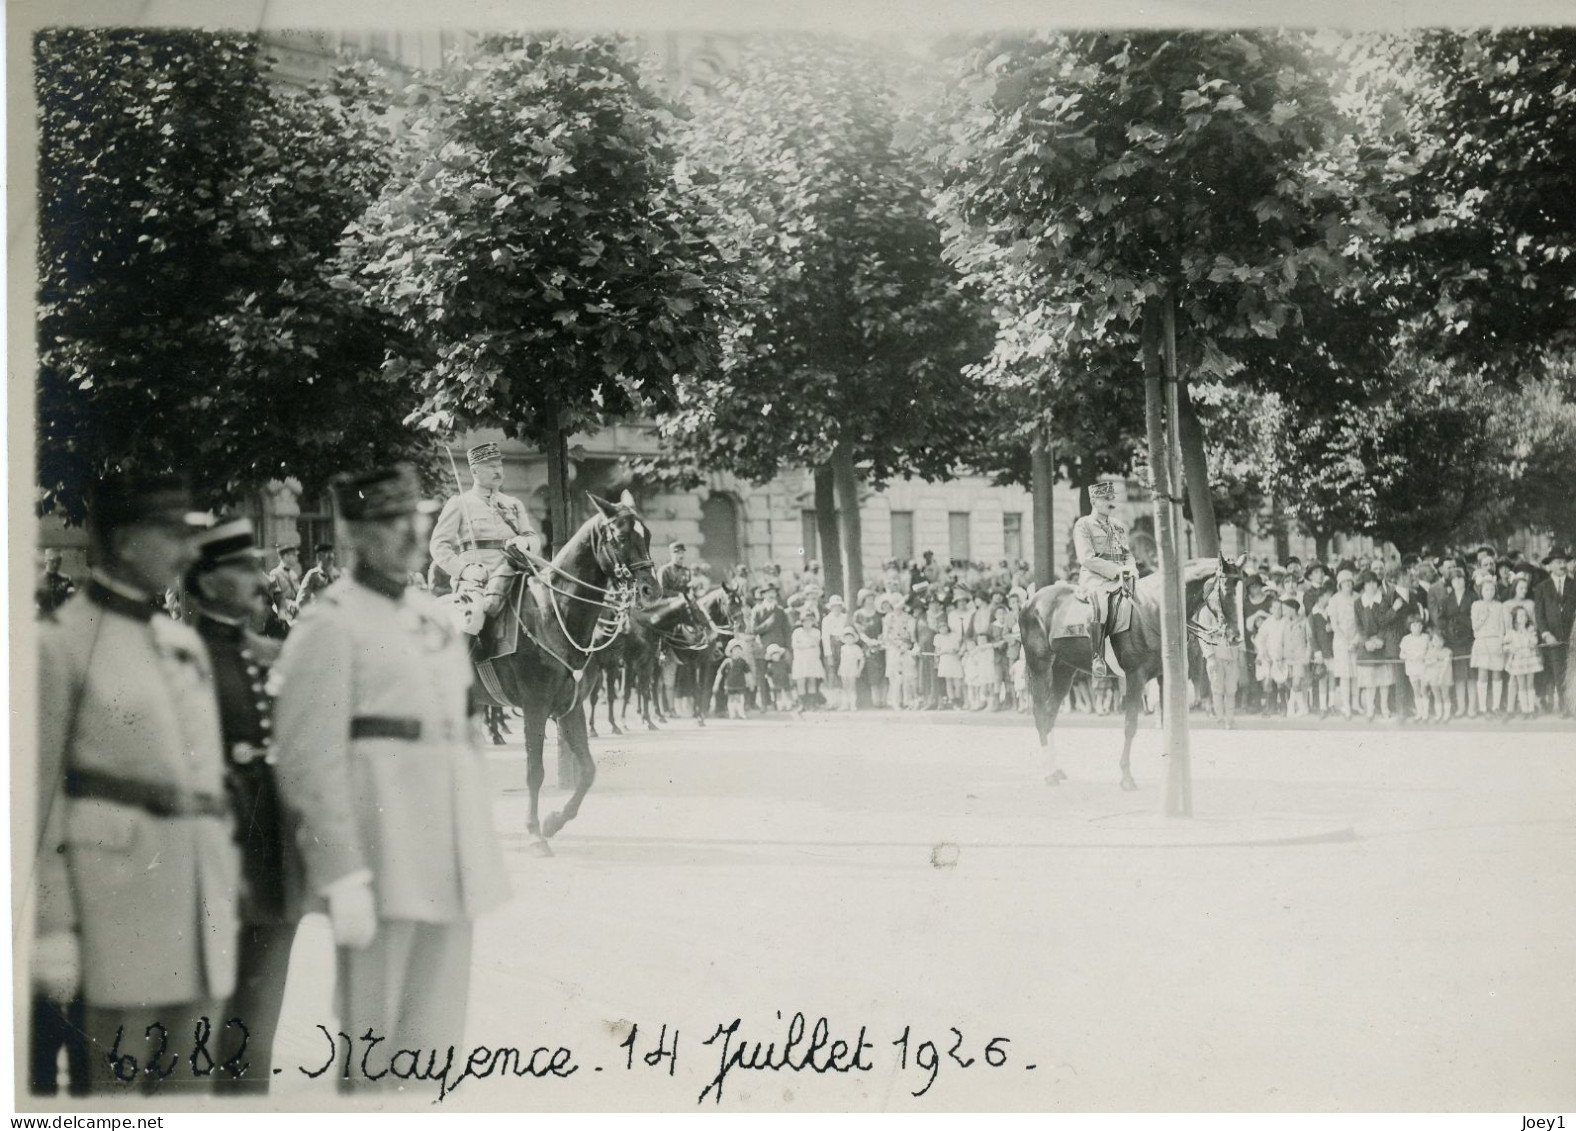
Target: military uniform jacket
(1102,551)
(376,759)
(127,695)
(472,518)
(270,866)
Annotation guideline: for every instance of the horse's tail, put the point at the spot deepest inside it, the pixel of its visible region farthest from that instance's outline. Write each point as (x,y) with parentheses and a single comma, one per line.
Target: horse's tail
(1039,654)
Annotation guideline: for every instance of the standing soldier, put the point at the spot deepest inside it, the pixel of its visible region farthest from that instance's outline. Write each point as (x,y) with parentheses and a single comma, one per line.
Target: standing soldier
(468,539)
(54,587)
(137,870)
(674,578)
(379,763)
(229,591)
(1105,562)
(319,577)
(284,582)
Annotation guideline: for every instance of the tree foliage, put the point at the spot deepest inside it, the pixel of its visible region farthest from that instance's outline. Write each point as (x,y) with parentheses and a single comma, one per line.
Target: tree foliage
(1485,240)
(857,333)
(186,210)
(539,247)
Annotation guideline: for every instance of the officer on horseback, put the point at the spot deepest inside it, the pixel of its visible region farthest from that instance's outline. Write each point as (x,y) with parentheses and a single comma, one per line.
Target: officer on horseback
(472,533)
(1105,563)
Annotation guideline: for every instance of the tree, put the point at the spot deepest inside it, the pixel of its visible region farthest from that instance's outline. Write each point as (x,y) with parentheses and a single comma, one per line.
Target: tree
(1123,171)
(539,248)
(851,356)
(186,211)
(1485,244)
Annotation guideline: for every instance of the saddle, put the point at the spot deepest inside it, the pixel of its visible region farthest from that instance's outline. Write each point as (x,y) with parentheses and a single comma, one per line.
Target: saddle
(500,635)
(1072,617)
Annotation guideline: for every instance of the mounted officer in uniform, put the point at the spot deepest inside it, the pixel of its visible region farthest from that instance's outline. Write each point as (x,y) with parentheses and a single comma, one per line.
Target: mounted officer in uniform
(1105,562)
(473,533)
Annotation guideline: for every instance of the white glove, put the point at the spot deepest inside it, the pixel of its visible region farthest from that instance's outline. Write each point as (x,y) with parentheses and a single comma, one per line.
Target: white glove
(474,574)
(353,911)
(57,965)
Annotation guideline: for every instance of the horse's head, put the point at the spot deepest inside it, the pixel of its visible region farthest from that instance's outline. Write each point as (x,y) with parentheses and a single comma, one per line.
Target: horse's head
(1225,594)
(622,545)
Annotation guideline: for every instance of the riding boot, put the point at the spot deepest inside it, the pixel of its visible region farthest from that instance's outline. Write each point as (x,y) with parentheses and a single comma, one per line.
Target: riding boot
(1097,665)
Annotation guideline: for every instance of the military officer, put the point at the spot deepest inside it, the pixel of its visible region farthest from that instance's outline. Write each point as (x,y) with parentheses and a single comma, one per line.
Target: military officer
(137,872)
(229,592)
(378,761)
(468,539)
(284,582)
(322,574)
(674,578)
(1105,562)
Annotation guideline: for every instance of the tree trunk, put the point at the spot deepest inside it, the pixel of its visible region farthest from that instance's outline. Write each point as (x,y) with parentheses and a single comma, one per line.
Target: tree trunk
(1196,466)
(1321,547)
(1278,528)
(847,482)
(1043,481)
(826,530)
(1178,792)
(558,508)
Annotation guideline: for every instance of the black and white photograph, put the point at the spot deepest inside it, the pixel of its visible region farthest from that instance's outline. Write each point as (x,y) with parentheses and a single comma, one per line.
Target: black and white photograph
(847,558)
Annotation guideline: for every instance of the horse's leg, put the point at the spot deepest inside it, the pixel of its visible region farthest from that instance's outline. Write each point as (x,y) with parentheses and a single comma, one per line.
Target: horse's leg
(535,771)
(591,698)
(1134,700)
(1061,682)
(572,730)
(612,669)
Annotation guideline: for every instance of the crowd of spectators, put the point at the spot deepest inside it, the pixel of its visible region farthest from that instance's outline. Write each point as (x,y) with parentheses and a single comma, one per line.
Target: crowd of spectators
(1436,635)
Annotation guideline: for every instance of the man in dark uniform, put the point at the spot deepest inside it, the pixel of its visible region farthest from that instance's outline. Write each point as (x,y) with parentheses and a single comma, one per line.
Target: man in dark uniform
(675,576)
(1554,609)
(229,591)
(54,587)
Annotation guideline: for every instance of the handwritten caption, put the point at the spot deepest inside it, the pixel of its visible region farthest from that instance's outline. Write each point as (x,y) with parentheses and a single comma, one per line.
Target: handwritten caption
(730,1052)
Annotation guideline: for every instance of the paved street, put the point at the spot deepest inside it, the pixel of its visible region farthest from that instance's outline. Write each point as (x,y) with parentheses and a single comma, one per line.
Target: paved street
(1353,920)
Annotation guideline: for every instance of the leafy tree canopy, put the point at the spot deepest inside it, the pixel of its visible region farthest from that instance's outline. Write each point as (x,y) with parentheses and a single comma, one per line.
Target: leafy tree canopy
(856,333)
(186,210)
(539,246)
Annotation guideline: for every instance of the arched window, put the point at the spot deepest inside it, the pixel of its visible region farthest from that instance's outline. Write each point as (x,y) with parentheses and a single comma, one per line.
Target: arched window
(719,531)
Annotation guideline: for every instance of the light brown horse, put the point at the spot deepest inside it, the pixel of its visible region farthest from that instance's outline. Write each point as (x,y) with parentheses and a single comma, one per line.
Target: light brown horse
(1053,660)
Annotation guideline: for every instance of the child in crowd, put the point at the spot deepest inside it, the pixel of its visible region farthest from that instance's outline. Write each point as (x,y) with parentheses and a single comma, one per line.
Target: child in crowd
(1488,645)
(777,692)
(1414,657)
(1437,668)
(949,669)
(850,663)
(1270,665)
(1296,652)
(1320,685)
(807,671)
(1522,663)
(733,676)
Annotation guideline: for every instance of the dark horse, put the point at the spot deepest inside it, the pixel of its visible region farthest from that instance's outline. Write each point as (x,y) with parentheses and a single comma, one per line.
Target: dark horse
(631,660)
(723,612)
(1053,659)
(584,600)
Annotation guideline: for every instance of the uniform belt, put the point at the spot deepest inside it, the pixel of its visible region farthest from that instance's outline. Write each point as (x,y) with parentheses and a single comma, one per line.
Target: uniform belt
(483,544)
(382,726)
(158,798)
